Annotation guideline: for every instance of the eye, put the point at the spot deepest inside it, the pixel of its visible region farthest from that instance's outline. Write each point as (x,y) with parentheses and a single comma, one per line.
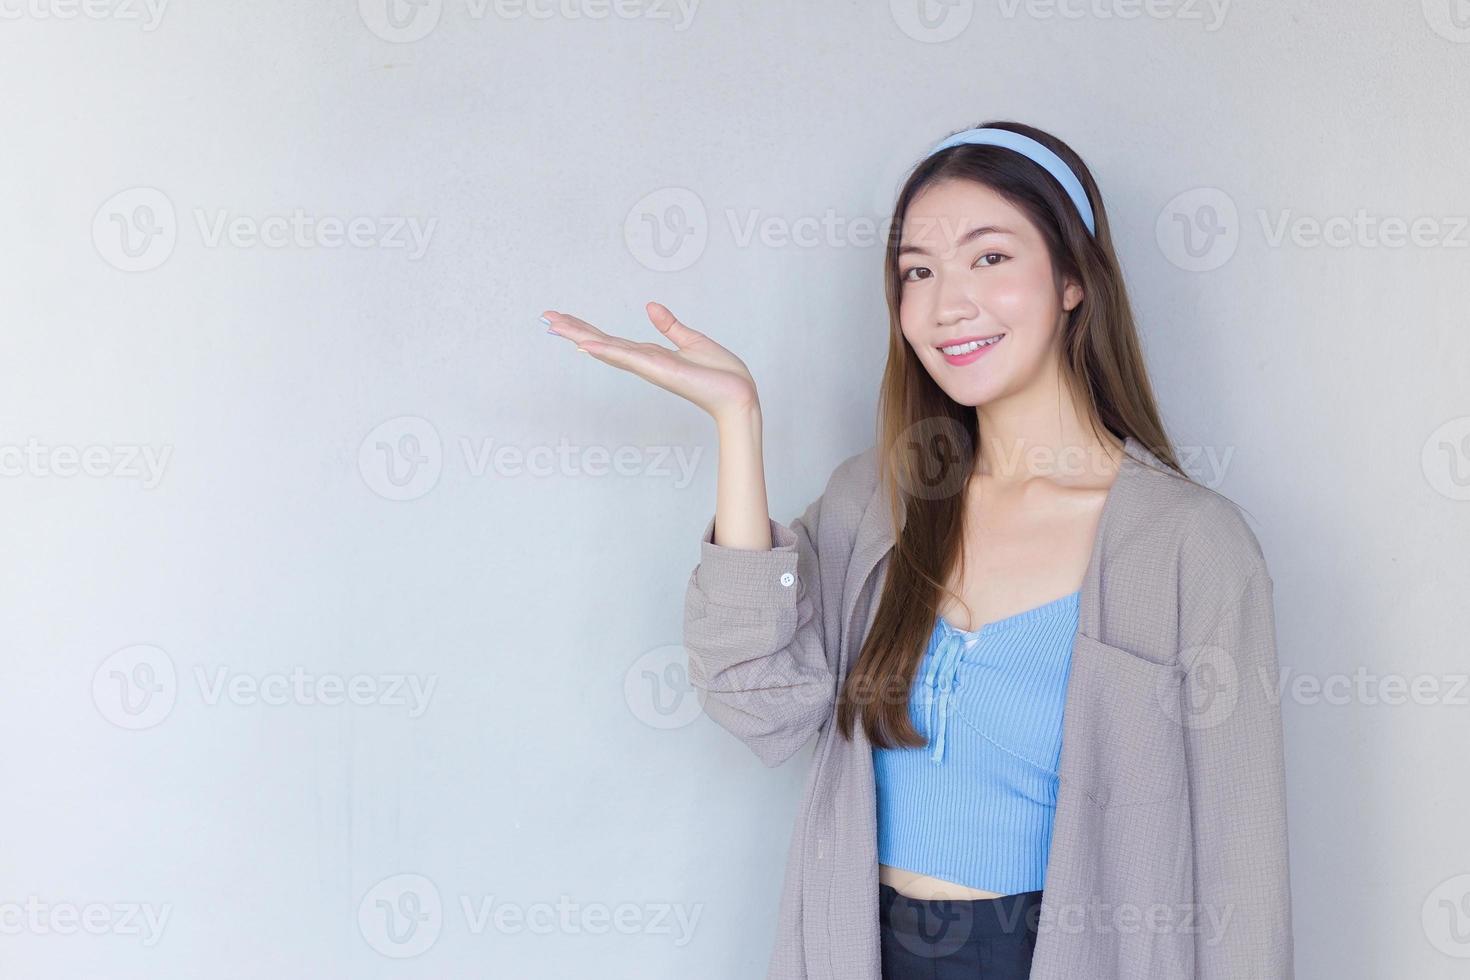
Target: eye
(993,255)
(917,268)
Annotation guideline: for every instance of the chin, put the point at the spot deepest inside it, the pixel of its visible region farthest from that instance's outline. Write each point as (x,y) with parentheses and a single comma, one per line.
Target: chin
(973,396)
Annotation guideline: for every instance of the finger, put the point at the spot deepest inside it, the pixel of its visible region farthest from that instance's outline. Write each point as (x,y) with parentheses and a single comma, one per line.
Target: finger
(630,359)
(574,328)
(669,325)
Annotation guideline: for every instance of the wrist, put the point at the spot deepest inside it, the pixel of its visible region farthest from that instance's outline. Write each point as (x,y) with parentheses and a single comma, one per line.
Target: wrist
(744,419)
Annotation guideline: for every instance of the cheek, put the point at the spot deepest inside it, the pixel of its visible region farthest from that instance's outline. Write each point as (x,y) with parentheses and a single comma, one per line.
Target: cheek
(1015,296)
(910,316)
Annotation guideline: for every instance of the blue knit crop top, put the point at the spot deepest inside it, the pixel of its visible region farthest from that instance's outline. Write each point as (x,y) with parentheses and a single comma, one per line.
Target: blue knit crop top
(975,805)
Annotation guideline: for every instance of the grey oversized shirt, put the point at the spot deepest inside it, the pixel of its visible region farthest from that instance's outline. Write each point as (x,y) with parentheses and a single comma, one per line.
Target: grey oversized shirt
(1169,847)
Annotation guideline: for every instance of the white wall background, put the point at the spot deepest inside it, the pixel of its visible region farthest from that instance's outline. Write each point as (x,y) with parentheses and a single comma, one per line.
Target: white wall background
(266,540)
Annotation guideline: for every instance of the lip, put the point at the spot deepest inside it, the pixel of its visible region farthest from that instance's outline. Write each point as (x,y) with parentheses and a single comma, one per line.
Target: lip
(974,355)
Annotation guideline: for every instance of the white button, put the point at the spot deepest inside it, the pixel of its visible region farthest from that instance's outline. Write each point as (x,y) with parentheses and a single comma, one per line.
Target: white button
(787,578)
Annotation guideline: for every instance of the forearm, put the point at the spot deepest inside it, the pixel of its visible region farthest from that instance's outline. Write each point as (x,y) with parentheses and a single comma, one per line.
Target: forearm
(742,512)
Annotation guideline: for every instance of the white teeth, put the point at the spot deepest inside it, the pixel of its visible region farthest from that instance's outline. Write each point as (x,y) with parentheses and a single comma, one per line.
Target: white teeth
(966,348)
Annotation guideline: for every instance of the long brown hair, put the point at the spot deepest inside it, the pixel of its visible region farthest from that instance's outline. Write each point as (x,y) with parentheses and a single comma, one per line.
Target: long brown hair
(927,442)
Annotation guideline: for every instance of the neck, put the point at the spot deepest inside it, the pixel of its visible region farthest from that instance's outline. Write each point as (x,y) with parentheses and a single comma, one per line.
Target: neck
(1041,433)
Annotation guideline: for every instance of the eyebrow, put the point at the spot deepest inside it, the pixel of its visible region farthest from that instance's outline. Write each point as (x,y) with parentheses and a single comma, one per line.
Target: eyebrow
(969,237)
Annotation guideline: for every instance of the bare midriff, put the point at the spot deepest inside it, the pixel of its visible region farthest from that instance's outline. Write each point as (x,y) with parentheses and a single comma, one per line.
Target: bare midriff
(929,889)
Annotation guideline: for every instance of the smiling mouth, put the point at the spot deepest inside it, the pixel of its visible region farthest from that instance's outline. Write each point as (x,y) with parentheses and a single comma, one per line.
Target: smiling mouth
(969,346)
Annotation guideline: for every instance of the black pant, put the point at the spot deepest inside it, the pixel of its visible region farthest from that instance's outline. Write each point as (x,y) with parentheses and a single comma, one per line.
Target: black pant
(947,939)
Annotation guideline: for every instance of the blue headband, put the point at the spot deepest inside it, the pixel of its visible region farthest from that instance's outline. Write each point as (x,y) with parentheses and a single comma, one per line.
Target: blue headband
(1028,147)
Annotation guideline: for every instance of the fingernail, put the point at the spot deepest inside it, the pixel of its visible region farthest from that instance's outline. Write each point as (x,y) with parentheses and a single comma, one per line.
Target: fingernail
(584,350)
(544,320)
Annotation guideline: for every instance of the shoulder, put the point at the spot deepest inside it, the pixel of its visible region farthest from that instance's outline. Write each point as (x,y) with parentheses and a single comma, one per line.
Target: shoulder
(849,492)
(857,475)
(1205,532)
(852,482)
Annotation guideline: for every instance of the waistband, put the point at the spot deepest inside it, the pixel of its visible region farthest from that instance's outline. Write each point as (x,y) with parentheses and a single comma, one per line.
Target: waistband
(955,921)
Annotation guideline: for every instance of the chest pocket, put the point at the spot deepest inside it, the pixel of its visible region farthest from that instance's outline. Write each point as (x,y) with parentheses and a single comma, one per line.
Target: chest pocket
(1129,706)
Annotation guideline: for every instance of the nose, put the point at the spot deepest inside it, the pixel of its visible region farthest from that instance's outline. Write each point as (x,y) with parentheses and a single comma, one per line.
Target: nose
(955,302)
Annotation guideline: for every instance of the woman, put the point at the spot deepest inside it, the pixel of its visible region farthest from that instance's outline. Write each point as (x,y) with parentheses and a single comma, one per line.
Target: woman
(1037,656)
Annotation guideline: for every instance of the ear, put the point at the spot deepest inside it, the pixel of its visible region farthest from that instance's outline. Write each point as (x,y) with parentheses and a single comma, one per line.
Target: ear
(1072,295)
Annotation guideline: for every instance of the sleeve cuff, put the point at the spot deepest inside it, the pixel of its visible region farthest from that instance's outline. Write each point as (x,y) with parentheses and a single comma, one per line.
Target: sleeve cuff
(746,577)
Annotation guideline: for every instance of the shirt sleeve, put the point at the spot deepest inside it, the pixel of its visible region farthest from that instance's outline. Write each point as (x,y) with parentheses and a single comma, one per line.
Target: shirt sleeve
(754,636)
(1237,792)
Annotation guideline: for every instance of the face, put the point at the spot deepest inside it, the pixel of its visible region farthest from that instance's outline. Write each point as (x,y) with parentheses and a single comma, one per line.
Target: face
(973,267)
